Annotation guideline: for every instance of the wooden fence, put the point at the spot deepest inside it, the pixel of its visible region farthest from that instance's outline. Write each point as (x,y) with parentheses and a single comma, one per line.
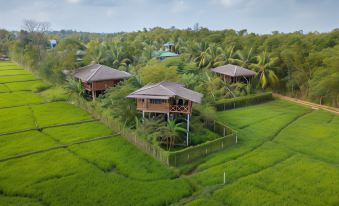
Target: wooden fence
(227,138)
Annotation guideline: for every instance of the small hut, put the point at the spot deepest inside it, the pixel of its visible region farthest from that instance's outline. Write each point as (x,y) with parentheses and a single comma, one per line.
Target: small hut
(53,43)
(97,78)
(164,54)
(169,46)
(166,98)
(233,73)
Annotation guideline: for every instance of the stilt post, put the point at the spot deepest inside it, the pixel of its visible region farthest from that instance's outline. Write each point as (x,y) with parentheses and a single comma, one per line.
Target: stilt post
(188,128)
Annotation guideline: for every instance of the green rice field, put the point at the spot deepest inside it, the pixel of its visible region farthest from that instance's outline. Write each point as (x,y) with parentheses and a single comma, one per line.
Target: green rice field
(53,153)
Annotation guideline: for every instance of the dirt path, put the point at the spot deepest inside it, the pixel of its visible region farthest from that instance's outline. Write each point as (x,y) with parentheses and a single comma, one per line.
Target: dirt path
(308,104)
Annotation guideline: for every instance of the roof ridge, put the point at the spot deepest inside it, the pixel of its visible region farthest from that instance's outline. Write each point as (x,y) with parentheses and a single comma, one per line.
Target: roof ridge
(94,72)
(168,89)
(142,88)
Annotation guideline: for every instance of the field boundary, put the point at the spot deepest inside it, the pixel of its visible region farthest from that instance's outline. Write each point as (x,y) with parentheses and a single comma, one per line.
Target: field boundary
(28,105)
(308,104)
(243,101)
(11,75)
(48,126)
(30,80)
(63,146)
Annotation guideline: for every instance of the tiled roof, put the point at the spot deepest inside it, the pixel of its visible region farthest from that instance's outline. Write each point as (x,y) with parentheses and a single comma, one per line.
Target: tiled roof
(98,72)
(233,71)
(165,90)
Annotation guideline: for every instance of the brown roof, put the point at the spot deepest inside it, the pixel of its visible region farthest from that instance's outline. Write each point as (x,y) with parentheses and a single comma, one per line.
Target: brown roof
(98,72)
(233,71)
(165,90)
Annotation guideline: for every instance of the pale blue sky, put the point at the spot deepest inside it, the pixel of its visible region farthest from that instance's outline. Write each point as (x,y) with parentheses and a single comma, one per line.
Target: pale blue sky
(260,16)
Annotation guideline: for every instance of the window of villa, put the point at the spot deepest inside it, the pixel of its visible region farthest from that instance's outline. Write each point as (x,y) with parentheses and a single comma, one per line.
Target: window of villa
(157,101)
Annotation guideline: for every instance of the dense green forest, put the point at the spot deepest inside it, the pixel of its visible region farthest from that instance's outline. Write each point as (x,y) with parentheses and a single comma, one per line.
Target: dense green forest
(300,65)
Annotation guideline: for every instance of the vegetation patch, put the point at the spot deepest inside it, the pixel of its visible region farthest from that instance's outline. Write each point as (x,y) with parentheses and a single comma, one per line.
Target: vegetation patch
(21,116)
(3,88)
(124,158)
(56,93)
(16,201)
(243,101)
(19,98)
(13,72)
(14,144)
(58,113)
(35,86)
(17,78)
(78,132)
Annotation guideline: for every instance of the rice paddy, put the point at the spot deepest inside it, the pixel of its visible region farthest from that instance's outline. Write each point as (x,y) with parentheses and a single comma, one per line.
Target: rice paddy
(53,153)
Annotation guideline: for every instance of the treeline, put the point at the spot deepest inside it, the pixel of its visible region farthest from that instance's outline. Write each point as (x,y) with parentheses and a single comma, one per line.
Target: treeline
(295,64)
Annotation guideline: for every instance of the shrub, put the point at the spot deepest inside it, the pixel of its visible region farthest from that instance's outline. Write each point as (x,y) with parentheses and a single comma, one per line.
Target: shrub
(243,101)
(39,87)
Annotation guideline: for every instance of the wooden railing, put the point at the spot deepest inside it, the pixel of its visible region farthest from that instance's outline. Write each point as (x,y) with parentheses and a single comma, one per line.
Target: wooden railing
(179,108)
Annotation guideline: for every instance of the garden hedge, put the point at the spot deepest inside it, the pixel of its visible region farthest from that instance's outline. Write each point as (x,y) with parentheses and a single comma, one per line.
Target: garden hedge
(243,101)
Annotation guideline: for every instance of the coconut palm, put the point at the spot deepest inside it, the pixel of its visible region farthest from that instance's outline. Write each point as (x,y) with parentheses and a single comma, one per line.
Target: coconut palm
(97,55)
(209,57)
(170,132)
(226,56)
(244,57)
(265,64)
(74,86)
(117,59)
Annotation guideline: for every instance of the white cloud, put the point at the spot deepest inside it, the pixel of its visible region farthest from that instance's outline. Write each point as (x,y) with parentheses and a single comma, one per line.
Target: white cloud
(73,1)
(179,6)
(228,3)
(234,3)
(109,12)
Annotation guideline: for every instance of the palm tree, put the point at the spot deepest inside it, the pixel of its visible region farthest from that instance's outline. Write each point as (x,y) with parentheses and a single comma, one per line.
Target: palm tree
(265,64)
(97,56)
(117,58)
(209,57)
(74,86)
(147,52)
(245,57)
(170,132)
(227,56)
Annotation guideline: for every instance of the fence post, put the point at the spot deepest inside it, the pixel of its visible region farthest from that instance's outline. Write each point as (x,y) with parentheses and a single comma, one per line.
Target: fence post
(224,177)
(206,151)
(222,145)
(224,131)
(236,138)
(175,160)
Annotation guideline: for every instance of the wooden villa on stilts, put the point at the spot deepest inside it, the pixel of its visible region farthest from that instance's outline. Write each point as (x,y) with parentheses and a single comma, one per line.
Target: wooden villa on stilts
(97,78)
(233,73)
(167,98)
